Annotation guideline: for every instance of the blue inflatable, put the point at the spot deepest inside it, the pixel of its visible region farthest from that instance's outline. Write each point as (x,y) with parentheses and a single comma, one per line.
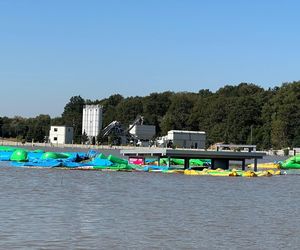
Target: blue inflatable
(40,164)
(5,155)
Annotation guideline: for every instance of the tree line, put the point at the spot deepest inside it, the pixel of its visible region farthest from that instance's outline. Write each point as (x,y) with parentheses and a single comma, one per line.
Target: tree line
(242,114)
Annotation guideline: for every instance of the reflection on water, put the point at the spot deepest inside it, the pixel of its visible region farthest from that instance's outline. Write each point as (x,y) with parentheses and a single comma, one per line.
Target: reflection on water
(57,209)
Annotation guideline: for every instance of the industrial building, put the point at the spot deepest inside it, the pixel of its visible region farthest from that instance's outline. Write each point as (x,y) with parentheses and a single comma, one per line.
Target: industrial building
(144,133)
(92,120)
(61,135)
(183,139)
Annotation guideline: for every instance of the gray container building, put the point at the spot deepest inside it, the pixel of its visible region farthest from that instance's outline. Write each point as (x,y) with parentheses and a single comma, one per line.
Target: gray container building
(143,132)
(187,139)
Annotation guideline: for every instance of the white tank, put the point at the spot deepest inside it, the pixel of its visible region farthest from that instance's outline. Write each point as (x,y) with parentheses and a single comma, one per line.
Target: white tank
(92,120)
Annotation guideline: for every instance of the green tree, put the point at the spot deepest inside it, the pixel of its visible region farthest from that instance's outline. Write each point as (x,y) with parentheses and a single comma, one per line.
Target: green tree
(179,111)
(57,121)
(128,109)
(240,114)
(284,113)
(84,138)
(72,116)
(155,106)
(110,108)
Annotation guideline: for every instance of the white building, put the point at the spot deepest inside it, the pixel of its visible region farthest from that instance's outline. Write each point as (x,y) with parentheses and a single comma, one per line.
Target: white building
(92,120)
(184,139)
(61,135)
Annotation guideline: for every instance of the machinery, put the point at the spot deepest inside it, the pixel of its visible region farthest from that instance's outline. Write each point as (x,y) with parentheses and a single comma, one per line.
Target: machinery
(121,135)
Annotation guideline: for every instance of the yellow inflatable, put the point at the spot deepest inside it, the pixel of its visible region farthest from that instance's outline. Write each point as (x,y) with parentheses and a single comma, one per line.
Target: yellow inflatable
(233,173)
(210,172)
(269,172)
(174,171)
(249,174)
(194,172)
(269,165)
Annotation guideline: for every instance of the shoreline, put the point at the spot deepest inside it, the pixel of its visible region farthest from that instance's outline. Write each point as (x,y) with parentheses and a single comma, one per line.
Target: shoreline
(107,150)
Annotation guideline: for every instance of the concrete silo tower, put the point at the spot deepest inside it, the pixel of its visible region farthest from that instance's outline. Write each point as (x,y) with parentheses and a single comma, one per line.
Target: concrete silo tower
(92,120)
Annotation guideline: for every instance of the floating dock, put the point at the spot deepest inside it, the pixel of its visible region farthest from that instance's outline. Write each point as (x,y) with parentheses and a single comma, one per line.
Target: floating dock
(219,159)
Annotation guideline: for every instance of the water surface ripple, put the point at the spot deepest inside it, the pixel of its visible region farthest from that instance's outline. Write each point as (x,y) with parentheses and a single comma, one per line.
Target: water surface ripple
(57,209)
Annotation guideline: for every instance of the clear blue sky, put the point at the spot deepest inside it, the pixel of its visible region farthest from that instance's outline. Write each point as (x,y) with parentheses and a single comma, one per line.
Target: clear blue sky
(52,50)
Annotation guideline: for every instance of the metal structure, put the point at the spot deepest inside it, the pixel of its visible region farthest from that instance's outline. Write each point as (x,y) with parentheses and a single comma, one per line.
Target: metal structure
(113,126)
(138,120)
(124,135)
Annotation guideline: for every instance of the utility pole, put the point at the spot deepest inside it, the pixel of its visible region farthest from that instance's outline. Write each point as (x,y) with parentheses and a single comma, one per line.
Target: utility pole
(251,134)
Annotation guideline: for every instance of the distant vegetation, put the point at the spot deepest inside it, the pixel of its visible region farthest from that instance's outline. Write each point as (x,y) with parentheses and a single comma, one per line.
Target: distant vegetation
(239,114)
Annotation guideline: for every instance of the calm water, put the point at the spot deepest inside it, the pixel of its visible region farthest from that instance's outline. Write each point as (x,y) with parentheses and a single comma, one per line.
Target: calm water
(58,209)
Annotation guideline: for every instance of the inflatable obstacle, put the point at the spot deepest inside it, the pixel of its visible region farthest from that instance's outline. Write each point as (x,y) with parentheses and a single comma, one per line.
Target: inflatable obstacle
(291,163)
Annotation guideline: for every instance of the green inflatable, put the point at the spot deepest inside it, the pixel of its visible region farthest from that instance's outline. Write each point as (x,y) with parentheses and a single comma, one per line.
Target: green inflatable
(117,160)
(101,156)
(38,151)
(193,162)
(291,163)
(115,167)
(7,149)
(19,155)
(54,155)
(163,161)
(177,161)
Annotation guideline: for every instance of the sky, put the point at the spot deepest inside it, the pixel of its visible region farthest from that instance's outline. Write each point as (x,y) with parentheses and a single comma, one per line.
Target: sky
(53,50)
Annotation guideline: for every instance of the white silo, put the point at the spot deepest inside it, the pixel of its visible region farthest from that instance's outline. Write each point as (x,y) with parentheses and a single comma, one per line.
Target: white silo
(92,120)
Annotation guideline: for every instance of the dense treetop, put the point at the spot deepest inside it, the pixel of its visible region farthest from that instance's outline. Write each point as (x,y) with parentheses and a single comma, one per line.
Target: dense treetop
(240,114)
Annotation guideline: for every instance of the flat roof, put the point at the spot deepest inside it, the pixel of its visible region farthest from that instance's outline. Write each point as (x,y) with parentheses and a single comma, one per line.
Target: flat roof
(190,153)
(61,126)
(93,106)
(186,132)
(235,145)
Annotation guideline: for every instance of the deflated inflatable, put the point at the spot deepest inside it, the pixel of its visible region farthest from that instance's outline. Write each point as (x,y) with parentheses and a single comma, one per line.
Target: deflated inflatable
(233,173)
(115,159)
(54,155)
(38,164)
(269,165)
